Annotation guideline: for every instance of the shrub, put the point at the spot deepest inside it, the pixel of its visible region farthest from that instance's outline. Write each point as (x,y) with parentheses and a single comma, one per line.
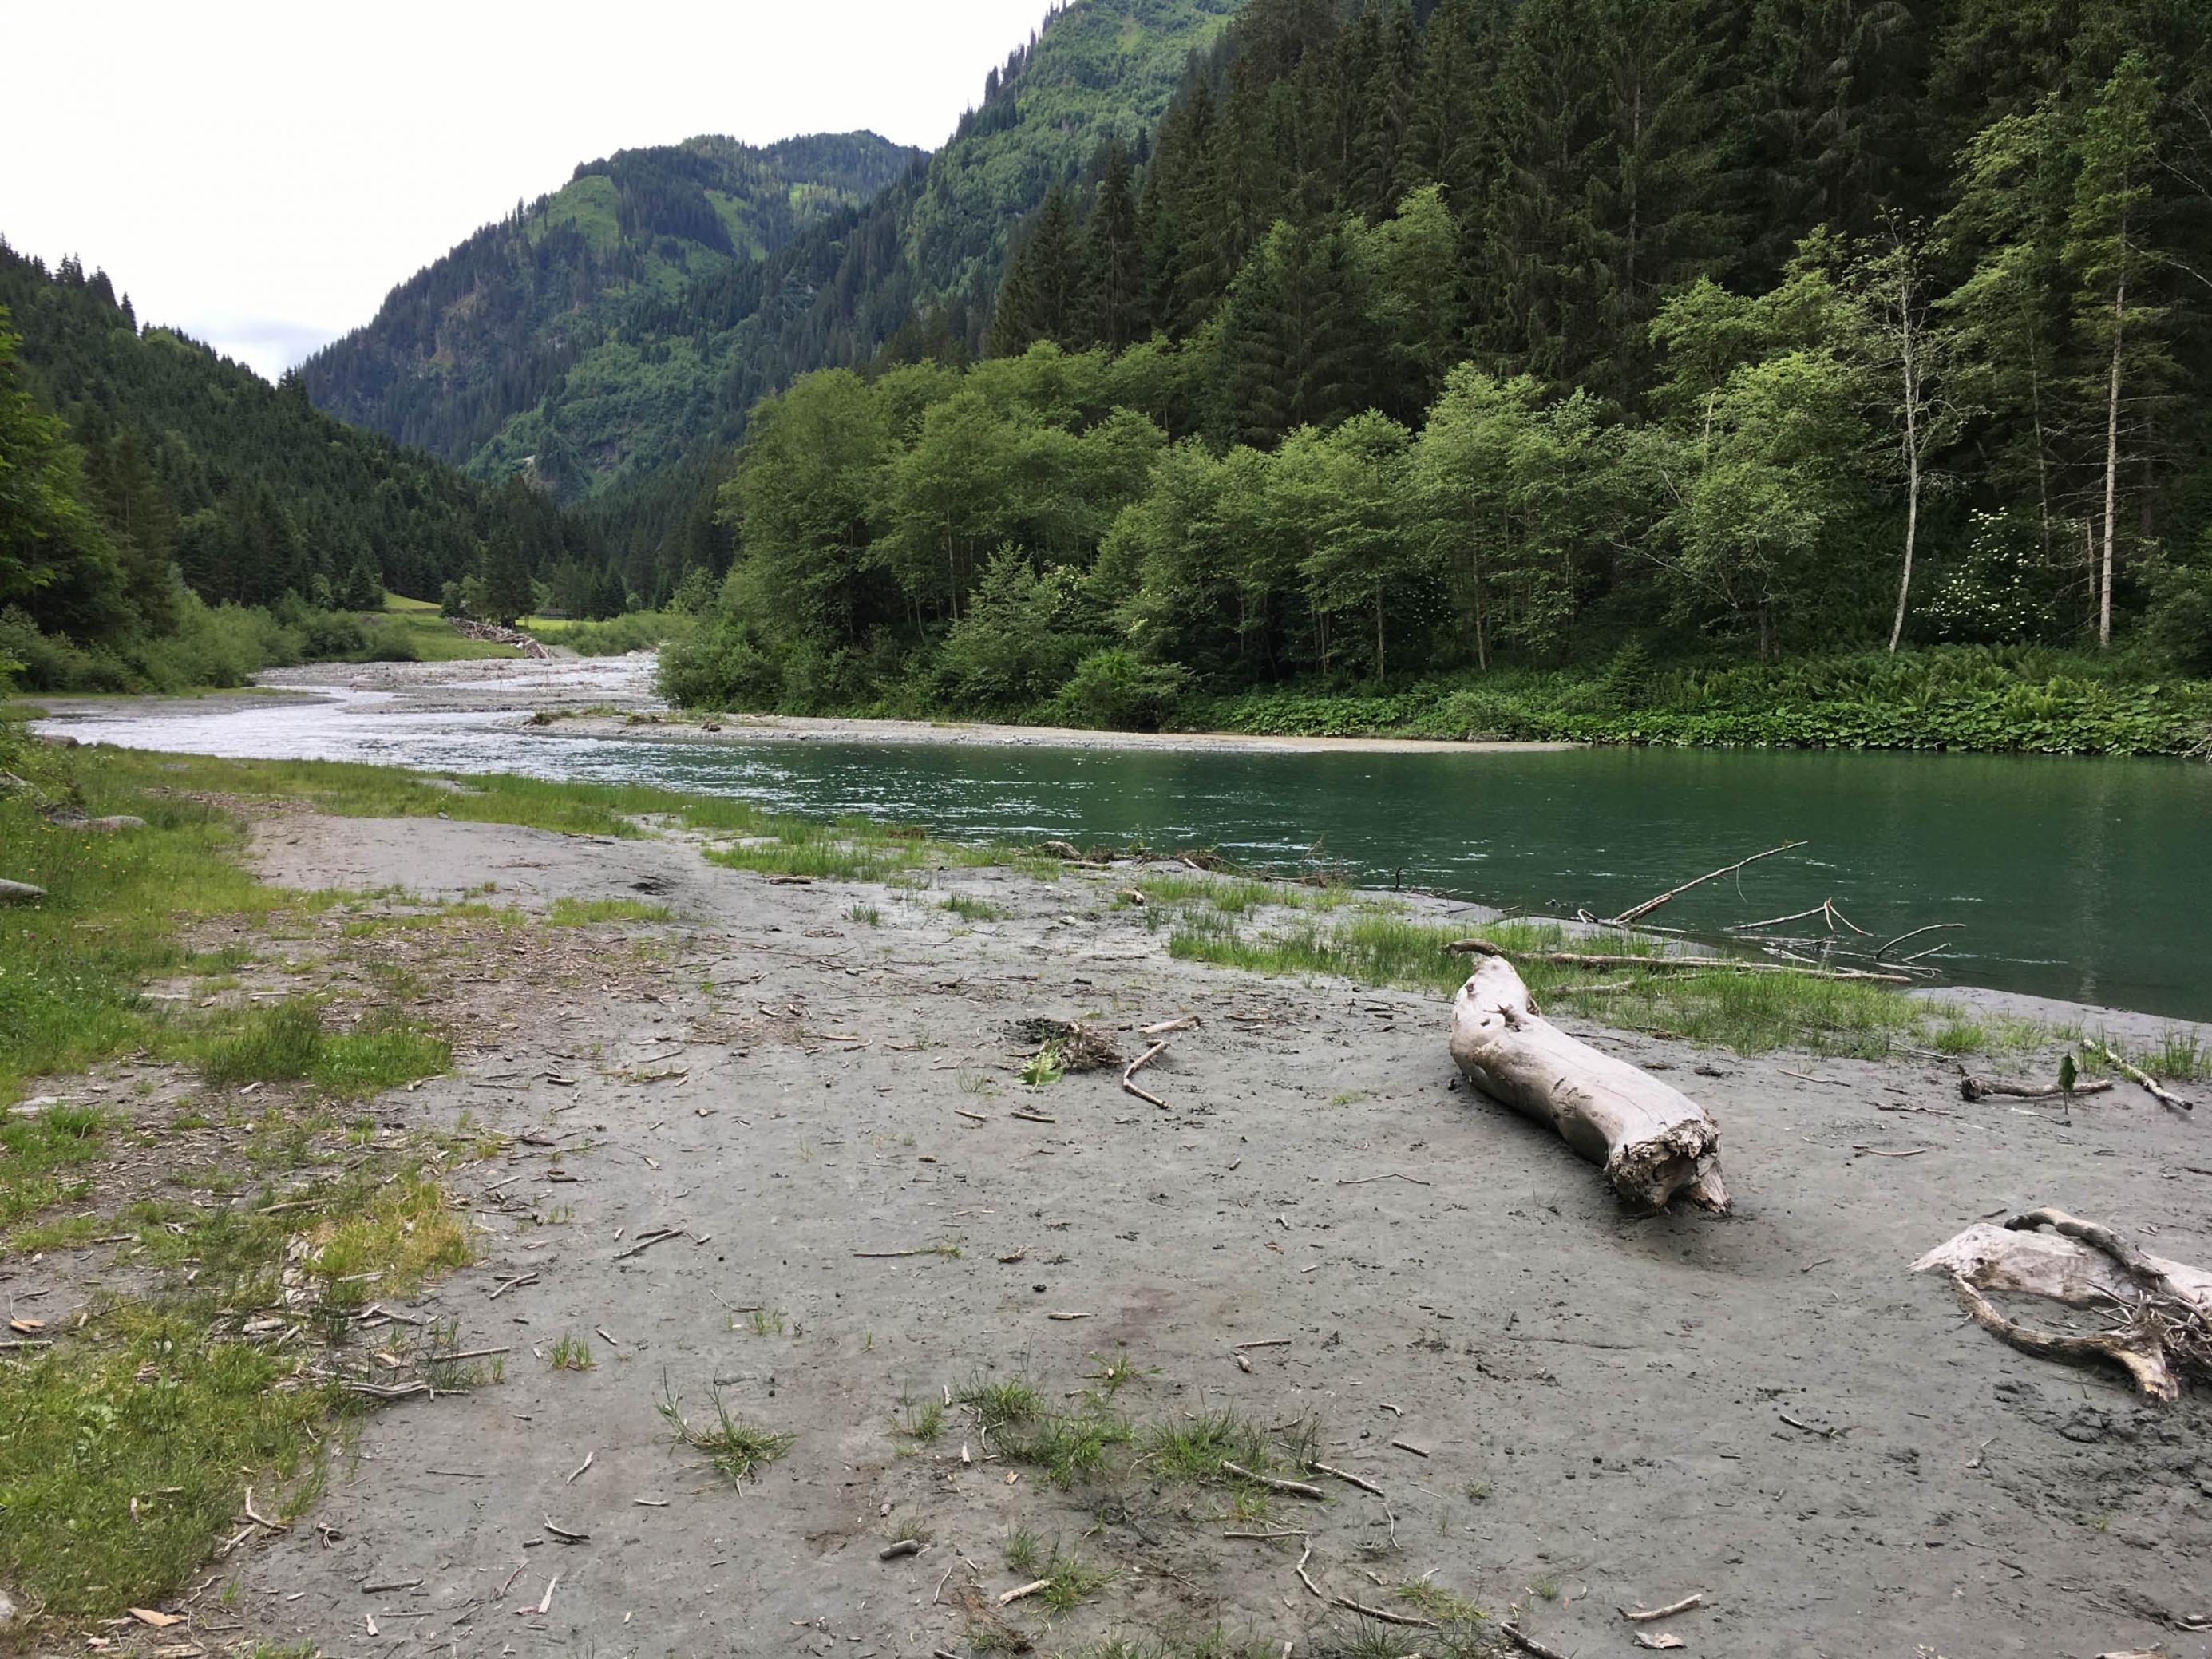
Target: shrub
(720,667)
(1117,689)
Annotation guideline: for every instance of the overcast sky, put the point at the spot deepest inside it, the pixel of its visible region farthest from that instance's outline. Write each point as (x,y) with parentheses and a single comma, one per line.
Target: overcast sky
(259,174)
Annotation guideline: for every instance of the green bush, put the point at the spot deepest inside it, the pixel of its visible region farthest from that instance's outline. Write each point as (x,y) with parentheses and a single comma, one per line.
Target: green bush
(720,667)
(1119,690)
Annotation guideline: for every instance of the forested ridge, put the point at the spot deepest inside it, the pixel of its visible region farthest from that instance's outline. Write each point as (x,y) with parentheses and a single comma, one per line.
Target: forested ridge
(1648,337)
(485,332)
(658,374)
(168,518)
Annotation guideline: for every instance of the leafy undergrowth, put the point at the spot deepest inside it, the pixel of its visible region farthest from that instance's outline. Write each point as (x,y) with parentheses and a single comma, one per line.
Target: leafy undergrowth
(2009,701)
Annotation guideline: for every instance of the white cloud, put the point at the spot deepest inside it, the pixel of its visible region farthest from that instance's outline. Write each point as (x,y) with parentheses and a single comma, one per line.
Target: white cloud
(258,174)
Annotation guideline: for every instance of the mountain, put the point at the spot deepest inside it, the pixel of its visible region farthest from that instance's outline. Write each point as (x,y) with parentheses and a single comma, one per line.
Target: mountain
(467,343)
(160,480)
(663,370)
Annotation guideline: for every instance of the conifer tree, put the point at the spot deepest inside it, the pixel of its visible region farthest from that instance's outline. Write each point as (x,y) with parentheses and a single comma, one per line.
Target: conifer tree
(1113,311)
(506,592)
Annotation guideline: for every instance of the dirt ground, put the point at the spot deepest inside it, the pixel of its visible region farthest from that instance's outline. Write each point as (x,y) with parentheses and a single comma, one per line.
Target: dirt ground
(1567,1410)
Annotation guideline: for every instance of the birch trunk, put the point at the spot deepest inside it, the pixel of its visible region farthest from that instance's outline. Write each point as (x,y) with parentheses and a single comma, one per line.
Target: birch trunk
(2111,469)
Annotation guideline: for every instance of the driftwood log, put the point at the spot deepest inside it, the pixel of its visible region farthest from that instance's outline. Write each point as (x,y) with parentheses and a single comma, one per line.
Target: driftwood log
(2164,1309)
(1654,1142)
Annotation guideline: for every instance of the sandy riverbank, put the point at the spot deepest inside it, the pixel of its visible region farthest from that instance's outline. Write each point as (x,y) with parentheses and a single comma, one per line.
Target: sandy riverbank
(1565,1410)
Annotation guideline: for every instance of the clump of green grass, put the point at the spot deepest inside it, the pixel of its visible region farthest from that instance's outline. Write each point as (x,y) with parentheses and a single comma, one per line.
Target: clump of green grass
(920,1420)
(1750,1012)
(866,914)
(737,1448)
(1195,1449)
(35,1151)
(1071,1581)
(1113,1374)
(580,913)
(1001,1402)
(767,1322)
(570,1353)
(1067,1447)
(115,1486)
(1445,1607)
(265,1045)
(971,910)
(1025,1553)
(2178,1056)
(285,1042)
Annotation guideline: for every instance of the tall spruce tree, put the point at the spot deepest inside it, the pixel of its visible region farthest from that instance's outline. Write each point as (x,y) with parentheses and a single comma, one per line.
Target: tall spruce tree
(1114,308)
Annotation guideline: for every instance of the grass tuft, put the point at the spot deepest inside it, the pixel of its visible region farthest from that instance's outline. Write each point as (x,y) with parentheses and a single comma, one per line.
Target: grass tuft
(582,913)
(737,1448)
(570,1353)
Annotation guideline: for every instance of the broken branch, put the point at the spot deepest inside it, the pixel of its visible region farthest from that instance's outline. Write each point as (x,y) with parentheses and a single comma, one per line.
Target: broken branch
(1295,1488)
(1635,912)
(1131,1070)
(1645,1615)
(2134,1074)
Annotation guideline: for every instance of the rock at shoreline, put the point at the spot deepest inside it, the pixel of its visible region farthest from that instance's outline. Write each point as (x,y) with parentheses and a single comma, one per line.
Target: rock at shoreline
(76,820)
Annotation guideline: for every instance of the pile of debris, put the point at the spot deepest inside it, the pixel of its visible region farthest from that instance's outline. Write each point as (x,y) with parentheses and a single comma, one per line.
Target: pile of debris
(498,635)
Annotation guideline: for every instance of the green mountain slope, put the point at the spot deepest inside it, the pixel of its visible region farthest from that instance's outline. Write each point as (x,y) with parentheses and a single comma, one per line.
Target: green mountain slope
(247,487)
(464,345)
(168,518)
(674,375)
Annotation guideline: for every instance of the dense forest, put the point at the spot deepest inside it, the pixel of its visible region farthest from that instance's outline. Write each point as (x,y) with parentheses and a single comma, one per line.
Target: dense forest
(1486,336)
(484,334)
(168,518)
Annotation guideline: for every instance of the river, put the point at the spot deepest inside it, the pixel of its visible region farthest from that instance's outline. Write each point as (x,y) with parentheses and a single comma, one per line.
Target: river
(2076,878)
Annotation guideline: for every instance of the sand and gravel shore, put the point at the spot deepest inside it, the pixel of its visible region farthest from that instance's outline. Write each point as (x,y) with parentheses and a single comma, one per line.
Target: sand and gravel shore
(1565,1411)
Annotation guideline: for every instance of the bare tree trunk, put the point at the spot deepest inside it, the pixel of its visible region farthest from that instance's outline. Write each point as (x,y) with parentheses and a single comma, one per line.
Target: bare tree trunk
(2111,469)
(2042,469)
(1656,1143)
(1911,452)
(1381,678)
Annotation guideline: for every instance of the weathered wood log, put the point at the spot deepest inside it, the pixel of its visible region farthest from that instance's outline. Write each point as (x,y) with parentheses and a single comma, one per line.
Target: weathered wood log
(1654,1142)
(20,892)
(2167,1306)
